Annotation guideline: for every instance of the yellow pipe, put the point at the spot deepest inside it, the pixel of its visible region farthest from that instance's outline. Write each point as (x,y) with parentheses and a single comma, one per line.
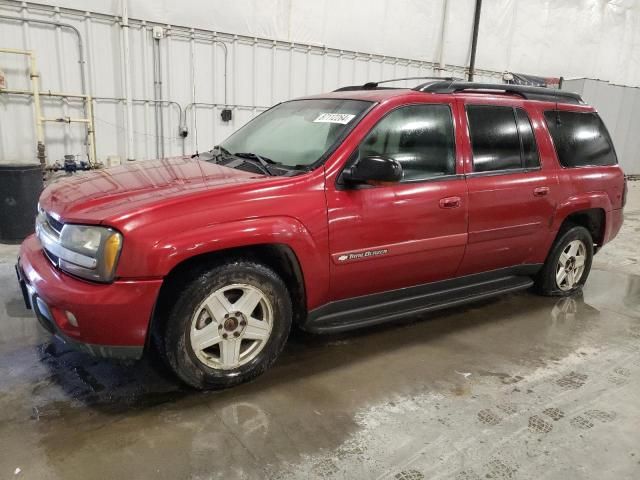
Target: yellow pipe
(34,75)
(92,133)
(39,119)
(16,51)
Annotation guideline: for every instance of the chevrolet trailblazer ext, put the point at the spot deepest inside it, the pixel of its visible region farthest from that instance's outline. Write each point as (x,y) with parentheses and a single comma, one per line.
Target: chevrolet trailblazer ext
(332,212)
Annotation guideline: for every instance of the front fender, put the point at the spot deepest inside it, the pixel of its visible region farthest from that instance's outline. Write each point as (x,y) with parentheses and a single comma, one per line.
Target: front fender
(311,253)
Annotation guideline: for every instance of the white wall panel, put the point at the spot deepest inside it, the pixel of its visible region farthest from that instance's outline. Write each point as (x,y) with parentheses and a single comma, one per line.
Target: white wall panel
(590,38)
(259,73)
(527,36)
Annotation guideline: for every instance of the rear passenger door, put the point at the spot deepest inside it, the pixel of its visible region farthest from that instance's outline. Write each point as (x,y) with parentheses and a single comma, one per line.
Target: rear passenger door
(511,197)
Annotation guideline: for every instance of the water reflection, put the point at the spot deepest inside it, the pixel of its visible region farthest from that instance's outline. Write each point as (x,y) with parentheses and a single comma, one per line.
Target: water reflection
(111,413)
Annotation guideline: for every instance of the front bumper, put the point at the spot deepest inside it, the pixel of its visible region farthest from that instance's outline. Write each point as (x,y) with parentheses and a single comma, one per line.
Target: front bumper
(112,319)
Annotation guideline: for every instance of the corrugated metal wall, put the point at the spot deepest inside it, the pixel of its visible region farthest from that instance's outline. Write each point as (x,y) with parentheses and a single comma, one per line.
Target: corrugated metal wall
(619,107)
(202,72)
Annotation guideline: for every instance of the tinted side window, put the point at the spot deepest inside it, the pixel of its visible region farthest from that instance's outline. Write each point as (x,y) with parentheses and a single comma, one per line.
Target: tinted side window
(530,157)
(580,138)
(494,138)
(419,137)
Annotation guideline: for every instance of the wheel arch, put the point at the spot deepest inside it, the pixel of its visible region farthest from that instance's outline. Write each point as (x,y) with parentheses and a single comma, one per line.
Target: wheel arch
(587,210)
(281,258)
(593,219)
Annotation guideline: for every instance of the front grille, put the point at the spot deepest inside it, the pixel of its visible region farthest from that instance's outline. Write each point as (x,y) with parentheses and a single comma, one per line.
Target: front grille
(54,224)
(46,223)
(52,258)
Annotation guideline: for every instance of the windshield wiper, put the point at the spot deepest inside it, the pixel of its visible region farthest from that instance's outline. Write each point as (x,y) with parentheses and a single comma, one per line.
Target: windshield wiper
(267,161)
(260,158)
(212,153)
(256,159)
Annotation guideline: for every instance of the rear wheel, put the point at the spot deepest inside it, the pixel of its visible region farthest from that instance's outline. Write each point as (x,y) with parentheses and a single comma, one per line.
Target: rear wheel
(568,264)
(228,325)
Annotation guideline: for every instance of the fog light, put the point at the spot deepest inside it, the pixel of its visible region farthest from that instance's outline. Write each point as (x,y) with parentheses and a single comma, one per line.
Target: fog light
(72,318)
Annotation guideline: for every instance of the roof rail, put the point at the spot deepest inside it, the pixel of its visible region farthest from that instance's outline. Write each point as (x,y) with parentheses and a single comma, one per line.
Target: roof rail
(527,92)
(374,85)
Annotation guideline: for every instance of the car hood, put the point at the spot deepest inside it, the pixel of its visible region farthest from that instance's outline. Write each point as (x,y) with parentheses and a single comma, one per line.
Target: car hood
(99,195)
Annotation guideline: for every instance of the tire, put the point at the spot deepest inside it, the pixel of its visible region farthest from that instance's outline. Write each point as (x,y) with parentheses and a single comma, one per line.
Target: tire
(561,280)
(217,304)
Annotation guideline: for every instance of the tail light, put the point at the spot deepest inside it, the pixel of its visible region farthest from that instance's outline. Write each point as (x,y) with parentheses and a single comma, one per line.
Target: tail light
(624,193)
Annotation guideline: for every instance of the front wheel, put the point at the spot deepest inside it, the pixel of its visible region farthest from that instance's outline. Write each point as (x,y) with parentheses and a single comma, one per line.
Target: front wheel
(568,264)
(228,325)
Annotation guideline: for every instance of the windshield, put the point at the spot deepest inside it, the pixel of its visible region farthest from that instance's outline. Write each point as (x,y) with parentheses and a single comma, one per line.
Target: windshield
(296,133)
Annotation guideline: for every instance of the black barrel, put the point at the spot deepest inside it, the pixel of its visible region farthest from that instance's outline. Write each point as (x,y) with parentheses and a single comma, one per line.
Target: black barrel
(20,188)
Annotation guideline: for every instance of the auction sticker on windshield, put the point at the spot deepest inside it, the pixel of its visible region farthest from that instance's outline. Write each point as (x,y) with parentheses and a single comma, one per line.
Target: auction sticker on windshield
(342,118)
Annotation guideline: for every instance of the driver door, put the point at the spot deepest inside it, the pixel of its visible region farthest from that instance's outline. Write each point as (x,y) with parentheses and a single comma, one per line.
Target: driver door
(386,237)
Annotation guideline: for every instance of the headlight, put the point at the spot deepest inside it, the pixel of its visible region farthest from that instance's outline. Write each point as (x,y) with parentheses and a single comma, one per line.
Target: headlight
(94,251)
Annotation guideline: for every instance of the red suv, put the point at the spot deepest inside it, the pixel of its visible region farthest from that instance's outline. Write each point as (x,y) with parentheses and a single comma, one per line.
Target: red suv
(336,211)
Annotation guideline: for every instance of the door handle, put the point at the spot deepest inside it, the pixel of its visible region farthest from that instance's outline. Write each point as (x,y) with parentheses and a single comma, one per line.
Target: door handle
(450,202)
(540,191)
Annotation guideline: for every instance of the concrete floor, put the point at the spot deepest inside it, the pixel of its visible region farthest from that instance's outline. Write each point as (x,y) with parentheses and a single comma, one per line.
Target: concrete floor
(516,387)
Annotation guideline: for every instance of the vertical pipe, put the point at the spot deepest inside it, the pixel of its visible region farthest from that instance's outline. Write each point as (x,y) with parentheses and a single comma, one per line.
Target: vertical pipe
(35,85)
(91,132)
(474,40)
(88,28)
(214,111)
(443,36)
(27,46)
(214,63)
(226,67)
(291,47)
(324,67)
(254,69)
(145,76)
(353,68)
(273,71)
(306,70)
(194,120)
(234,73)
(157,95)
(63,80)
(168,56)
(89,81)
(369,79)
(126,58)
(339,69)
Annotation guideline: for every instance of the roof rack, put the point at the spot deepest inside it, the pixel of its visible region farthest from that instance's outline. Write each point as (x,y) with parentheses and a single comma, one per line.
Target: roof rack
(374,85)
(527,92)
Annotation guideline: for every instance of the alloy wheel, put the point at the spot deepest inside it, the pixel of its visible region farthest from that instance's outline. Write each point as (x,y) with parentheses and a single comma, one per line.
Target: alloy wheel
(570,265)
(231,326)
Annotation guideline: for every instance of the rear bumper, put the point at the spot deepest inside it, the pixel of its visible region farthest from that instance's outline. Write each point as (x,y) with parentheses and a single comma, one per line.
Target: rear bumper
(112,319)
(613,225)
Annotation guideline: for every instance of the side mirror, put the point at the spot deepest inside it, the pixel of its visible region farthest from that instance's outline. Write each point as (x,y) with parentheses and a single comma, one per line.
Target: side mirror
(373,169)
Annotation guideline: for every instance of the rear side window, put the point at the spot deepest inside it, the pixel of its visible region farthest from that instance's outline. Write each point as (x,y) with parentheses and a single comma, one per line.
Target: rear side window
(580,138)
(501,138)
(419,137)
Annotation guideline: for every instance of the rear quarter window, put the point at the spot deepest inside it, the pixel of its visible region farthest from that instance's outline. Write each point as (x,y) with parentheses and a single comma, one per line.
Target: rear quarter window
(580,139)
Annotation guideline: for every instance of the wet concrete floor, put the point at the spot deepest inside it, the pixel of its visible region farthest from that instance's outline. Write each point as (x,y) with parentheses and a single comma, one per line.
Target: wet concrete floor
(520,387)
(517,387)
